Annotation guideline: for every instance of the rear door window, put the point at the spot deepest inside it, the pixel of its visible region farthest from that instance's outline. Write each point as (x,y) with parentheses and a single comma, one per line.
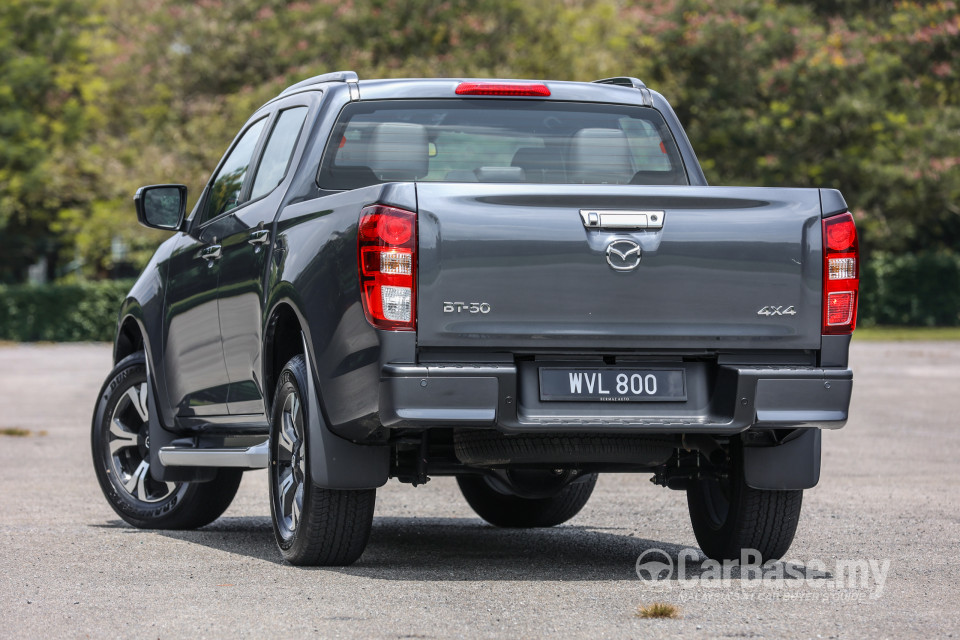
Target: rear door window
(499,141)
(277,153)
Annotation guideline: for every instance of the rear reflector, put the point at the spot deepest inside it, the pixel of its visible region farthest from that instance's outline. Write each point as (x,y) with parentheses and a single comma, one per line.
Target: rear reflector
(841,307)
(387,259)
(503,89)
(841,274)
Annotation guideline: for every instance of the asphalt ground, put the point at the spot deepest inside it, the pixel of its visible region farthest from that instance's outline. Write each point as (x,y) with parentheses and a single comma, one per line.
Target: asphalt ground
(876,554)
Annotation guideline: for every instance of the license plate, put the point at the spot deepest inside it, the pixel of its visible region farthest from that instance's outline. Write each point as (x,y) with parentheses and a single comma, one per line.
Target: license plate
(612,384)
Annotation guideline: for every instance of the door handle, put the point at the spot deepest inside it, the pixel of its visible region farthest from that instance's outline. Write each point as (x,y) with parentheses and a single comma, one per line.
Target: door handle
(213,252)
(259,238)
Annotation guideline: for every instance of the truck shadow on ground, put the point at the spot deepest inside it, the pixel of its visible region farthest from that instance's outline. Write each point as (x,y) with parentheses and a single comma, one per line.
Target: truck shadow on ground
(465,549)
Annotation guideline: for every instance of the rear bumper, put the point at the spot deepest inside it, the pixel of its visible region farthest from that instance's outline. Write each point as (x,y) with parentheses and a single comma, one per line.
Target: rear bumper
(724,399)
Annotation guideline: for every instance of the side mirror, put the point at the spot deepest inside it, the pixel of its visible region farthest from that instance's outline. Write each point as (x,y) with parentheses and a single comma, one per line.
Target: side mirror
(161,206)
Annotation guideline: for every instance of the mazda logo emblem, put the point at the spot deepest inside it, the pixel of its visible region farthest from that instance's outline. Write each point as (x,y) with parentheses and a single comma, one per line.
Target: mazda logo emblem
(623,255)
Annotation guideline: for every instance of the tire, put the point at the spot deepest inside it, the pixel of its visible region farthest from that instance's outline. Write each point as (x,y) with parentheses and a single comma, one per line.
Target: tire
(492,448)
(514,512)
(728,517)
(120,442)
(312,526)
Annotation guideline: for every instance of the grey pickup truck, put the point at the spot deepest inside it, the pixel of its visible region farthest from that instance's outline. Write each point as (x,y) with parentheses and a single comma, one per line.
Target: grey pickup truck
(520,284)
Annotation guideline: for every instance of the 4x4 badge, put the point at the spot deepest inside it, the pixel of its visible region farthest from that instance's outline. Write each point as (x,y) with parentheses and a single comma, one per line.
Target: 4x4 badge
(623,255)
(777,311)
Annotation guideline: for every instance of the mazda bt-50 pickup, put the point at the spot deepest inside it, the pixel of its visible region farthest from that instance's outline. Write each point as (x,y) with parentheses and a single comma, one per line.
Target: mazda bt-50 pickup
(521,284)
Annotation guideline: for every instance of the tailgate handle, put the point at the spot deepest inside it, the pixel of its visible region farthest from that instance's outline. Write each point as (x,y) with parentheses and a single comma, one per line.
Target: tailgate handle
(621,219)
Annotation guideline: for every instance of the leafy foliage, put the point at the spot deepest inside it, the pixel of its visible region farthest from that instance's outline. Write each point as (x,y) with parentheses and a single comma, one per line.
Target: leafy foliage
(911,290)
(98,97)
(48,91)
(779,96)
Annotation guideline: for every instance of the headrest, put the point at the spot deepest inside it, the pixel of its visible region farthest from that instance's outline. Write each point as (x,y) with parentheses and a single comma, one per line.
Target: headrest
(600,156)
(535,157)
(398,151)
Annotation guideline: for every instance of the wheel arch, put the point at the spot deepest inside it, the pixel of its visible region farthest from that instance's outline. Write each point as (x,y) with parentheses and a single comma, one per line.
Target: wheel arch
(338,463)
(130,338)
(283,339)
(133,335)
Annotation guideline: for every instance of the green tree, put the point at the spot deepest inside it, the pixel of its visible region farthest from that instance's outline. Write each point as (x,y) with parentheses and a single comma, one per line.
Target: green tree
(782,95)
(100,97)
(48,92)
(183,76)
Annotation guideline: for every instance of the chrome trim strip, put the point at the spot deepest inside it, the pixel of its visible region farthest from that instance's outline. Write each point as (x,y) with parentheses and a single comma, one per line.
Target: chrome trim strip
(256,457)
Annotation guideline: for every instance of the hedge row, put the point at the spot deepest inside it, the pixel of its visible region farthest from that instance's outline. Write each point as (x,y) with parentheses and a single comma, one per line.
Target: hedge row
(61,312)
(904,290)
(917,290)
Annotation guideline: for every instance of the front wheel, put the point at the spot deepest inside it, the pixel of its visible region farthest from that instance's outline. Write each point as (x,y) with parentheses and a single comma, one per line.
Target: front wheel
(313,526)
(730,518)
(120,442)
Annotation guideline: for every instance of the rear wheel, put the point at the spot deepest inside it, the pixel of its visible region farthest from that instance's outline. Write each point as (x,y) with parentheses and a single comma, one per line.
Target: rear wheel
(512,511)
(312,526)
(729,517)
(120,441)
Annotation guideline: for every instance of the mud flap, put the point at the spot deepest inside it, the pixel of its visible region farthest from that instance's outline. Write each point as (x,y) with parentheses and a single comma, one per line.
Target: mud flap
(792,465)
(336,463)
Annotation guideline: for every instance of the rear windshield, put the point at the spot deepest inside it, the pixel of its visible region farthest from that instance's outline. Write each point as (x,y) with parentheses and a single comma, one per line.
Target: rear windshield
(499,141)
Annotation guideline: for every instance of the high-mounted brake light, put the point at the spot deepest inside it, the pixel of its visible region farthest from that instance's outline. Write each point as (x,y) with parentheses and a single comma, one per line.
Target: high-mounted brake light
(503,89)
(841,274)
(387,259)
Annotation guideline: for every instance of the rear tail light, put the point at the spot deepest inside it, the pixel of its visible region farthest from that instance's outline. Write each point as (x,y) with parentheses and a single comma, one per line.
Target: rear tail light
(503,89)
(387,258)
(841,274)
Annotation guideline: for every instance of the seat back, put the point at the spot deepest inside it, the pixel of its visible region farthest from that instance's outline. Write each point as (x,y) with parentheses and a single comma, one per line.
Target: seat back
(540,165)
(399,151)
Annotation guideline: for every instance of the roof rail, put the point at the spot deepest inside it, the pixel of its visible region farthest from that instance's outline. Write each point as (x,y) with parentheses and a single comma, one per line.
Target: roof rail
(635,83)
(623,81)
(336,76)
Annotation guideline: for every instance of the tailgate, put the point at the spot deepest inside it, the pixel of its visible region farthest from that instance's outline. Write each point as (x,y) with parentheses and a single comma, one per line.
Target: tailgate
(525,266)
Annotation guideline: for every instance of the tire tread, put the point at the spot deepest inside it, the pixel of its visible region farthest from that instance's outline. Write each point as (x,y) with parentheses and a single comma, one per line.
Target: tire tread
(335,524)
(764,520)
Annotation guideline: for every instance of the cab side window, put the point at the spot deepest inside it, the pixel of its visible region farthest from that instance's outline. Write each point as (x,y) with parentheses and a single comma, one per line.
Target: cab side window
(225,192)
(277,153)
